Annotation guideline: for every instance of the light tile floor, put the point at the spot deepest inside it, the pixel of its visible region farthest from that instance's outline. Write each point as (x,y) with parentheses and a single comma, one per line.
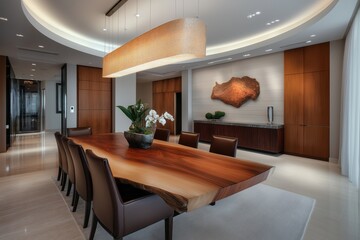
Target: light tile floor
(30,166)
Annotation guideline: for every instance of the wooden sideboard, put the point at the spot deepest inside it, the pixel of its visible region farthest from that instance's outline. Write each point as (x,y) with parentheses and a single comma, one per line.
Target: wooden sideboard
(261,137)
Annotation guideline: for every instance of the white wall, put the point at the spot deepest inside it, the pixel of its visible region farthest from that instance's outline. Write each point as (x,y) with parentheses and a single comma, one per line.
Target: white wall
(268,70)
(52,119)
(124,94)
(186,101)
(336,67)
(144,92)
(71,97)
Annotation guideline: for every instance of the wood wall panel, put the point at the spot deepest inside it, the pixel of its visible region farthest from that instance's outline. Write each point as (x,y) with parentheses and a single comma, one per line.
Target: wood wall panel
(317,58)
(315,143)
(94,100)
(164,99)
(307,101)
(293,93)
(294,63)
(294,138)
(316,98)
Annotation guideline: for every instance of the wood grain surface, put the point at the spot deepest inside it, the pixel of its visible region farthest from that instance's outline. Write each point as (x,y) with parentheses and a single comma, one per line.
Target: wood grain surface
(184,177)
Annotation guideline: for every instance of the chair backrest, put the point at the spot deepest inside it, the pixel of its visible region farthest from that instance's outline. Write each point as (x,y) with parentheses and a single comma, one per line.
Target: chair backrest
(107,204)
(189,139)
(224,145)
(64,164)
(82,172)
(70,164)
(79,131)
(57,138)
(162,134)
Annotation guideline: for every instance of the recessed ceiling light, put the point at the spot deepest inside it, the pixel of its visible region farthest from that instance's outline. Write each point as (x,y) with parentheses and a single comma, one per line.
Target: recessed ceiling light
(41,46)
(137,15)
(273,22)
(34,64)
(33,70)
(3,18)
(268,50)
(313,35)
(19,35)
(31,75)
(308,41)
(104,29)
(247,55)
(253,14)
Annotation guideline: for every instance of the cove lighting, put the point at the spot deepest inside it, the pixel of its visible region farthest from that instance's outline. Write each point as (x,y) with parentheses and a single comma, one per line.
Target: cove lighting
(220,60)
(172,42)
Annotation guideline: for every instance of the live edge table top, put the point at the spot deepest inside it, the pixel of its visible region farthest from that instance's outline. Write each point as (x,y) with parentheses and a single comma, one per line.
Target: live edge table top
(186,178)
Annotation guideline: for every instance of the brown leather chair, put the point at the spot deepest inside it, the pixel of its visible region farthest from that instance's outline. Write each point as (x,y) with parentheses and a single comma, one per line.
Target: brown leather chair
(70,164)
(162,134)
(64,163)
(79,131)
(189,139)
(118,213)
(224,145)
(83,186)
(57,138)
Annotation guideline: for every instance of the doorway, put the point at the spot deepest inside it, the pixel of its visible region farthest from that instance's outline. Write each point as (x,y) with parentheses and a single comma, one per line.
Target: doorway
(29,106)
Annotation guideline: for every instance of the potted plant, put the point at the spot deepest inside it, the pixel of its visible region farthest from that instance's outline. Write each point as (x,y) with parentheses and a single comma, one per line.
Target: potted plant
(143,124)
(217,115)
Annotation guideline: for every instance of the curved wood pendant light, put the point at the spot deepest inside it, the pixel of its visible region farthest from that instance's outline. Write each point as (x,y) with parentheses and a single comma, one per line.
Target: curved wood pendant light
(172,42)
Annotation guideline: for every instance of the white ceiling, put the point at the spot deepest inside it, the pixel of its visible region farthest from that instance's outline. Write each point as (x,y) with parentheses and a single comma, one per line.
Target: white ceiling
(62,26)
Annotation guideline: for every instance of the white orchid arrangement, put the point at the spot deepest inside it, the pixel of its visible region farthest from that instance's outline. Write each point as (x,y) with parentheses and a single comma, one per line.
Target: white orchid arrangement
(141,123)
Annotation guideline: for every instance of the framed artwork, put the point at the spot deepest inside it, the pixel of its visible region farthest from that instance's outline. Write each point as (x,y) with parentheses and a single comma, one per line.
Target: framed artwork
(58,98)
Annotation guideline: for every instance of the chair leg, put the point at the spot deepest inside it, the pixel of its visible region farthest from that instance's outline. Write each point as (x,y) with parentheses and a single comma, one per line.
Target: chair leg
(87,213)
(169,228)
(212,204)
(59,174)
(69,188)
(76,200)
(73,196)
(93,227)
(63,181)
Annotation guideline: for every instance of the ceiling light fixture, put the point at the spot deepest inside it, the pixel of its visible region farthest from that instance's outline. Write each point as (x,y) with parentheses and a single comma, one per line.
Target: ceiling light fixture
(137,15)
(247,55)
(34,64)
(3,19)
(104,29)
(220,60)
(268,50)
(309,41)
(41,46)
(313,35)
(19,35)
(33,70)
(169,43)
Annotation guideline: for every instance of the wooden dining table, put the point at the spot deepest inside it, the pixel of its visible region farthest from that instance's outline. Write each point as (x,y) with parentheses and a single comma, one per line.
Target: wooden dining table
(186,178)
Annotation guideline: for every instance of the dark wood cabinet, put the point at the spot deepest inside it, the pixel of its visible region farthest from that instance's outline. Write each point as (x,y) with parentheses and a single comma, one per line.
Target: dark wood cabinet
(262,137)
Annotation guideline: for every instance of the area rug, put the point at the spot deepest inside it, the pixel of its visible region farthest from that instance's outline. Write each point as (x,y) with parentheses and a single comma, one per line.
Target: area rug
(261,212)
